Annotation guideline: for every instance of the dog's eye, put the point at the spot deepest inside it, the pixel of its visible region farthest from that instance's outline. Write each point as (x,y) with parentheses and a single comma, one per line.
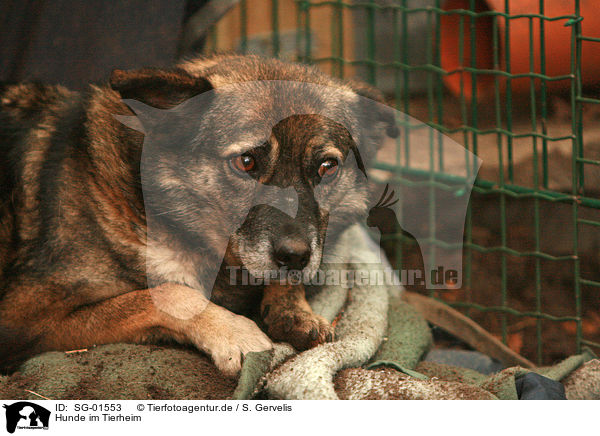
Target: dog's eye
(328,169)
(243,163)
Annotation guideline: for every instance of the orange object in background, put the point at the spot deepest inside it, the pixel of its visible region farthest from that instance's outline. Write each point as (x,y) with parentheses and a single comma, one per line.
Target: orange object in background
(557,39)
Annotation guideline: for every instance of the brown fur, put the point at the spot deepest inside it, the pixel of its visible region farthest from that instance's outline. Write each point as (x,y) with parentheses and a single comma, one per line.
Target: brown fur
(73,225)
(289,317)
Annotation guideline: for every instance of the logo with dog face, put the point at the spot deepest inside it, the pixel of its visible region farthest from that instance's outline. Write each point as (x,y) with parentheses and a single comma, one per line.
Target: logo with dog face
(26,415)
(266,175)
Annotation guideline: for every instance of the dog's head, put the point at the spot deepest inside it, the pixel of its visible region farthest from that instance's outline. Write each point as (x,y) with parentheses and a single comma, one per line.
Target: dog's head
(256,160)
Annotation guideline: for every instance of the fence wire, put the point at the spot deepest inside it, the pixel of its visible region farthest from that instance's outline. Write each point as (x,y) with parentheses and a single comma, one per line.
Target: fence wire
(461,119)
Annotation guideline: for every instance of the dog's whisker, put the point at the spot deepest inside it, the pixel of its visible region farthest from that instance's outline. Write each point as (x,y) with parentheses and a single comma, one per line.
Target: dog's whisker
(181,209)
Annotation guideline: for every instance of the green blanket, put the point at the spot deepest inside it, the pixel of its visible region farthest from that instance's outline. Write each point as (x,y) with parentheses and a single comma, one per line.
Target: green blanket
(397,372)
(380,343)
(123,371)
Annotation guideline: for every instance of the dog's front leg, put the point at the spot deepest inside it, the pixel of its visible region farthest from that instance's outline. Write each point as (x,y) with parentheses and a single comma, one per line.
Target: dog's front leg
(289,318)
(169,310)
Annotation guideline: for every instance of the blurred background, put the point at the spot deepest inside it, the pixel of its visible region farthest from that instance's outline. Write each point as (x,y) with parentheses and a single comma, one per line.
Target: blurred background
(515,82)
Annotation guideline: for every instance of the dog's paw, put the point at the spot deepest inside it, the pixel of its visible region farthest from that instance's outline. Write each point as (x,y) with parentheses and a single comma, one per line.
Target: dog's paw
(229,340)
(299,328)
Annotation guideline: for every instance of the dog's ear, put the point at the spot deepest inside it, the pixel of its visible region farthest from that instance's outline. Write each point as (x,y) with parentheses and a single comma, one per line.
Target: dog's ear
(161,89)
(384,113)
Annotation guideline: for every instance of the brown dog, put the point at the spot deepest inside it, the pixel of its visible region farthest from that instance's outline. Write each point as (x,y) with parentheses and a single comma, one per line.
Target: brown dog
(76,264)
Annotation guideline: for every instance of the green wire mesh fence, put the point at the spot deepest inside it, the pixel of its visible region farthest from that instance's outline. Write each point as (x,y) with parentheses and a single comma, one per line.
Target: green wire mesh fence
(531,247)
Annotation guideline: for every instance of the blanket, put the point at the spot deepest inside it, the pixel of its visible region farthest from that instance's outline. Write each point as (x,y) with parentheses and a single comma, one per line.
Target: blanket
(378,354)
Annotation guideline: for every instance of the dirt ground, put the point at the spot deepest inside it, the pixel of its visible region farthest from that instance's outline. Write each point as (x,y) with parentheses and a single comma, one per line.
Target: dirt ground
(524,274)
(556,286)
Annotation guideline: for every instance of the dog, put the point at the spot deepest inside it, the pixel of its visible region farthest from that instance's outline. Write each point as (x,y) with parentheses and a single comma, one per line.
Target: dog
(95,249)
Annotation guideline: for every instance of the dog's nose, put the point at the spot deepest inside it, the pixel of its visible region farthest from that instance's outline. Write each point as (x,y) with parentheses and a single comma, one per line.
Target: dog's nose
(291,253)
